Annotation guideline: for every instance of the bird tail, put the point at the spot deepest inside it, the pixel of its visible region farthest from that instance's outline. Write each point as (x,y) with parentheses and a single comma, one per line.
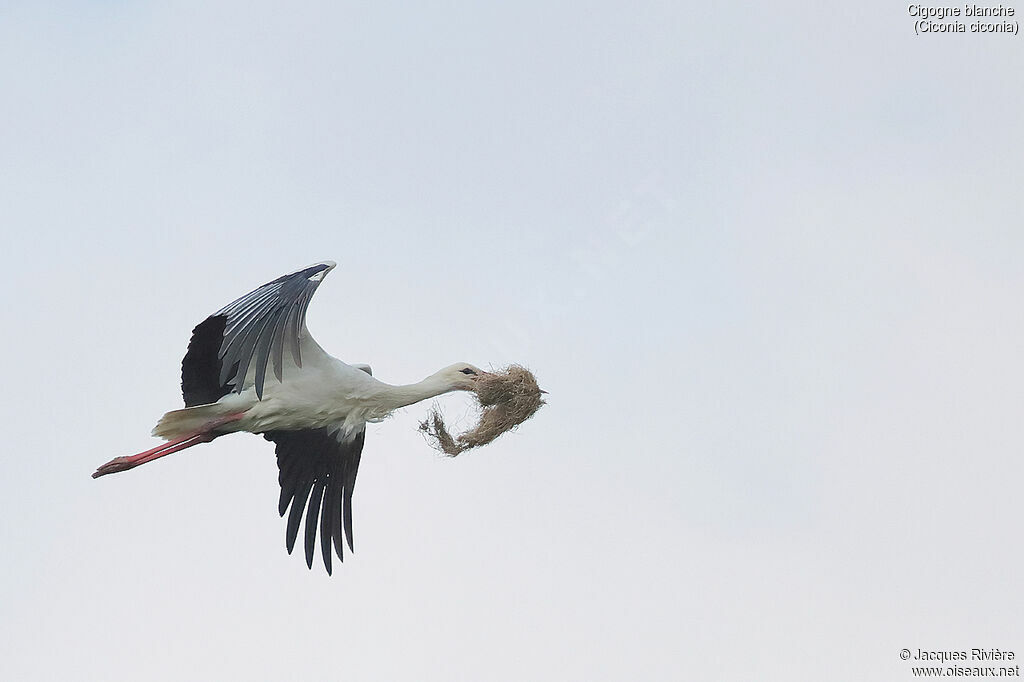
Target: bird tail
(190,420)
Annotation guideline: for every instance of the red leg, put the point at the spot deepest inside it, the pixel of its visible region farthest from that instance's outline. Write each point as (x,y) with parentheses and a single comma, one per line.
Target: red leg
(204,436)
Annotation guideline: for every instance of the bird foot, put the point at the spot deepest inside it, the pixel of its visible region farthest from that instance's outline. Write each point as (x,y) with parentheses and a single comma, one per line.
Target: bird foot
(114,466)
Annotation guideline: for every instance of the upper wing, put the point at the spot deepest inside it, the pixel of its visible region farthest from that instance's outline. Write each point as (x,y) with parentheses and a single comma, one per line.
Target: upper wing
(248,333)
(321,466)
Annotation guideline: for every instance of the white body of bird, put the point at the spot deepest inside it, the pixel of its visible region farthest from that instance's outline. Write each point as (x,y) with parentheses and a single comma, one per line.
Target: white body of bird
(324,393)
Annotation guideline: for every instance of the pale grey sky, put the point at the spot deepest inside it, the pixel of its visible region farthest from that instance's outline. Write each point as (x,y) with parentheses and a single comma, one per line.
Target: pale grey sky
(767,262)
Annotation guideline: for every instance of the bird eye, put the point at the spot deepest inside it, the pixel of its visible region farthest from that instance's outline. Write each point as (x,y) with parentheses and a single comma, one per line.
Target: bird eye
(467,370)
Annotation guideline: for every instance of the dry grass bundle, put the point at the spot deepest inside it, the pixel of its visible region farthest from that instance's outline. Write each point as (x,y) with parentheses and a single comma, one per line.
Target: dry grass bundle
(507,398)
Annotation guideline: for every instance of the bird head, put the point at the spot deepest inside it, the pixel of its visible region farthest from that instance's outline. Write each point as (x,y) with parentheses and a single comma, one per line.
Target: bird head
(462,376)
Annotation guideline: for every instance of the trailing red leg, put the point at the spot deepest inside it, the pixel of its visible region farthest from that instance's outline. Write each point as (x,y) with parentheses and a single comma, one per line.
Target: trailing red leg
(203,436)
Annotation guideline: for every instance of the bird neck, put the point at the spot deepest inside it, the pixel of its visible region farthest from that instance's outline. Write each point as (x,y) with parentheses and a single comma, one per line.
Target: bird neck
(395,397)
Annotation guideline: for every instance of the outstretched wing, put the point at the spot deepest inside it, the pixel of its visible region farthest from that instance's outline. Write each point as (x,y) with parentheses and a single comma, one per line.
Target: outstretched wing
(249,333)
(317,471)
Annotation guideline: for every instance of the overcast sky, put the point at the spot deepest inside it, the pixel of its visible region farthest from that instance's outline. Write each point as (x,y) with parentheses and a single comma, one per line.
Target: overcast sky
(768,263)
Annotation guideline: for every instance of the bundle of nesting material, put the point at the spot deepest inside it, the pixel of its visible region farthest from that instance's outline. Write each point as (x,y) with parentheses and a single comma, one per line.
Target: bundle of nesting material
(507,398)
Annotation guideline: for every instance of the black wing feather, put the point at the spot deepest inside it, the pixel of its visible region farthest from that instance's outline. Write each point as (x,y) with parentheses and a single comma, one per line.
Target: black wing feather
(351,468)
(313,515)
(318,467)
(325,531)
(335,514)
(201,368)
(298,504)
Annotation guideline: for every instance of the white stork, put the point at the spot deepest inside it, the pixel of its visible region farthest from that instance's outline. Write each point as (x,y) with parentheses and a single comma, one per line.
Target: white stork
(315,409)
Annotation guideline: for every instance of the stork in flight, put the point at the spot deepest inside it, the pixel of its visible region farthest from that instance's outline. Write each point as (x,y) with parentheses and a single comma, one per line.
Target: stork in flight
(315,408)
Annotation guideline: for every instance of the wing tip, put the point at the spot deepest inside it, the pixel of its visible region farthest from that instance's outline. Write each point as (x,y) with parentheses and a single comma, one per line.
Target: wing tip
(320,270)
